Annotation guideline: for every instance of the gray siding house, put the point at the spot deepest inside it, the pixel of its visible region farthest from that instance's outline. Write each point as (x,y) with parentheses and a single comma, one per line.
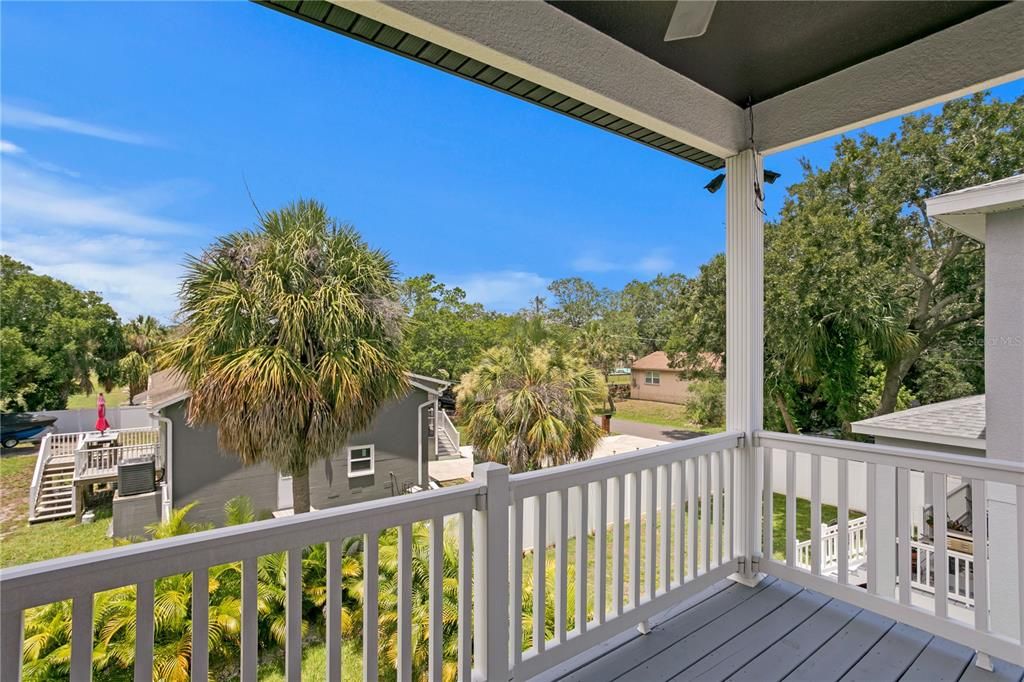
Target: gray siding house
(389,458)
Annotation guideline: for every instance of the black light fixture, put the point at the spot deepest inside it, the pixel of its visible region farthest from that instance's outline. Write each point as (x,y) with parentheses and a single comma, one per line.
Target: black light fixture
(716,182)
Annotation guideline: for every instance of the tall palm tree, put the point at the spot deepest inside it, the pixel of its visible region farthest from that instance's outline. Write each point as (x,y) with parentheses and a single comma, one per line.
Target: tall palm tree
(143,336)
(530,406)
(292,336)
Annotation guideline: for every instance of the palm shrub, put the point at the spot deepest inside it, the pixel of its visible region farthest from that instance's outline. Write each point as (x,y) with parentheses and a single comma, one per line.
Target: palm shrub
(530,405)
(292,339)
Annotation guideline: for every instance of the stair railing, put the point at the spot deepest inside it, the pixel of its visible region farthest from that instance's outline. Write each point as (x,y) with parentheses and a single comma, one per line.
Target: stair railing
(37,475)
(448,428)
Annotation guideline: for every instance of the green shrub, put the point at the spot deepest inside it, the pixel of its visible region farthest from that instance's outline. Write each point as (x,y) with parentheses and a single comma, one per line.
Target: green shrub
(706,402)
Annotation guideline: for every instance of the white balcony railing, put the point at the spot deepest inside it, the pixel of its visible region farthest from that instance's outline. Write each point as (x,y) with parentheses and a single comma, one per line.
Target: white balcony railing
(647,528)
(856,546)
(132,445)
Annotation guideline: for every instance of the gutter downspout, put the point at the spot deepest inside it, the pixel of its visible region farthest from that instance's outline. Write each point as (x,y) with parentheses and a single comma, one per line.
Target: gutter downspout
(168,502)
(419,441)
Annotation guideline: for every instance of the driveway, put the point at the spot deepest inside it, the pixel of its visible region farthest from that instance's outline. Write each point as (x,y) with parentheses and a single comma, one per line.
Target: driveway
(653,431)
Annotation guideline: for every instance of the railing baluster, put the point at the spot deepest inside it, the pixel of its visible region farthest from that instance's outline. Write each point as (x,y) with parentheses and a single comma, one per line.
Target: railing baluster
(872,527)
(815,514)
(705,510)
(679,496)
(665,478)
(691,512)
(465,661)
(941,563)
(843,539)
(515,602)
(581,560)
(12,628)
(715,462)
(404,661)
(144,630)
(618,541)
(371,616)
(250,622)
(435,651)
(600,550)
(334,598)
(790,508)
(561,565)
(651,528)
(634,540)
(540,525)
(729,505)
(293,616)
(768,521)
(81,637)
(201,624)
(903,532)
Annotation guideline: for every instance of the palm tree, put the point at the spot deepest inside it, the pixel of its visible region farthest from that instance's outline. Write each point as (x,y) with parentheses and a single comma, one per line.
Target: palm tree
(143,335)
(292,336)
(529,406)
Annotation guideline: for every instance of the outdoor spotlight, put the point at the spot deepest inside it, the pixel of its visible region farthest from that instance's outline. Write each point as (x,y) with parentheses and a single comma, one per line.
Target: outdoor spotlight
(716,183)
(771,176)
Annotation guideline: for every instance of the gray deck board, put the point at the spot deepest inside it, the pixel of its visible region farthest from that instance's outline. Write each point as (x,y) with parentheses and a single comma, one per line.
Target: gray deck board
(784,656)
(620,661)
(776,631)
(894,653)
(941,661)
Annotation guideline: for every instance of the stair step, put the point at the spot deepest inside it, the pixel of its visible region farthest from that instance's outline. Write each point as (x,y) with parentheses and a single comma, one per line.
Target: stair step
(51,517)
(61,492)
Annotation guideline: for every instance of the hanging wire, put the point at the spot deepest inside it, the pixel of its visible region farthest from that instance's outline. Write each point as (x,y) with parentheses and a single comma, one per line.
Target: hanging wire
(758,191)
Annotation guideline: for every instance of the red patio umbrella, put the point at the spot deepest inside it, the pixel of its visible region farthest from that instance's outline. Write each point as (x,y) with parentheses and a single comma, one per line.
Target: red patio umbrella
(101,414)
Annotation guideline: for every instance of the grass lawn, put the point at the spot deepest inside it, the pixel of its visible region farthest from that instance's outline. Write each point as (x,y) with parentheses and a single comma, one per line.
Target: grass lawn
(663,414)
(116,398)
(618,379)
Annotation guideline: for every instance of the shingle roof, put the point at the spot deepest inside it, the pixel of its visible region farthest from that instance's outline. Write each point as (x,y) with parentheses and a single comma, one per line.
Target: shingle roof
(960,419)
(659,360)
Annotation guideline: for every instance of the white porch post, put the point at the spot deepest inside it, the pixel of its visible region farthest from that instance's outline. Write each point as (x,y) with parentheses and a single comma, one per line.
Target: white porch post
(744,346)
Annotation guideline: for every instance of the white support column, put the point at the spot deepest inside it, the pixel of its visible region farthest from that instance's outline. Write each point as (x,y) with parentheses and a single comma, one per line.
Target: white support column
(490,576)
(744,347)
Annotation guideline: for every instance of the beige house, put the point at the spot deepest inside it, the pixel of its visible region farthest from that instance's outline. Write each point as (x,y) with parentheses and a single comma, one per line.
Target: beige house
(653,379)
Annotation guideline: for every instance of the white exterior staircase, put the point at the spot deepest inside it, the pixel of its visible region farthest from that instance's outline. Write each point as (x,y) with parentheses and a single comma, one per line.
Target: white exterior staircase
(52,495)
(448,440)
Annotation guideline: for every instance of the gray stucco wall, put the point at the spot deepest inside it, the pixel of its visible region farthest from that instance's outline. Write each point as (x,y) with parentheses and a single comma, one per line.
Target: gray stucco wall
(202,473)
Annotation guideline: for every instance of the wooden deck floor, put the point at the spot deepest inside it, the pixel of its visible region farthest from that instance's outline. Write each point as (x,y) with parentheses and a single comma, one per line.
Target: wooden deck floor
(777,631)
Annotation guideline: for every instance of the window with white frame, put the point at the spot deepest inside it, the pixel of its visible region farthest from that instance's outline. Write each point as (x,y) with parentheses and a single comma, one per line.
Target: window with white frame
(652,378)
(360,460)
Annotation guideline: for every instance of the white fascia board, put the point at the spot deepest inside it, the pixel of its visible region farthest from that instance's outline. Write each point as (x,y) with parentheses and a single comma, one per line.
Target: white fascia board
(976,54)
(533,40)
(922,436)
(965,210)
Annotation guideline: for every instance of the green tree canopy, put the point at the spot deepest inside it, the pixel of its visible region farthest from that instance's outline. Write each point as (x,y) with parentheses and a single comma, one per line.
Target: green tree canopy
(143,335)
(291,341)
(530,405)
(54,337)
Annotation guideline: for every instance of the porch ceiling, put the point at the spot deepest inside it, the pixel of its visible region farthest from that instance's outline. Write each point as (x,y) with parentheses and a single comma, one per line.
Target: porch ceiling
(812,69)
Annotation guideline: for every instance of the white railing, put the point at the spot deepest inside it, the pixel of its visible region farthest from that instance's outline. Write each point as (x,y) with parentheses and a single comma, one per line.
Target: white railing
(856,544)
(103,462)
(52,445)
(959,574)
(676,505)
(661,524)
(447,428)
(889,475)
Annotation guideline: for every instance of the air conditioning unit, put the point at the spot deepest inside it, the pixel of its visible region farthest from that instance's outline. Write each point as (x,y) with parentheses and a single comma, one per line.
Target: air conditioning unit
(136,478)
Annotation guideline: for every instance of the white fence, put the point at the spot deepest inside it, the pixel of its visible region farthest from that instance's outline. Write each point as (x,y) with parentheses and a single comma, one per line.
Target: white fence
(76,421)
(688,526)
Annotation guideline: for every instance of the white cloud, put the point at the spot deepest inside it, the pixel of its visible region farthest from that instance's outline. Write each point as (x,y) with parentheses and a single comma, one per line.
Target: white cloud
(502,290)
(652,263)
(9,148)
(30,119)
(113,242)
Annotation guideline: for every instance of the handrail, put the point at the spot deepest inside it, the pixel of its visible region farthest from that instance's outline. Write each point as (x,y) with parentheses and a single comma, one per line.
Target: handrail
(445,422)
(104,461)
(37,474)
(964,466)
(541,481)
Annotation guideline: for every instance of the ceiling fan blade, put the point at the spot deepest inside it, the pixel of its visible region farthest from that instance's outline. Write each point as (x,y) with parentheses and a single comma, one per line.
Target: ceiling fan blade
(690,19)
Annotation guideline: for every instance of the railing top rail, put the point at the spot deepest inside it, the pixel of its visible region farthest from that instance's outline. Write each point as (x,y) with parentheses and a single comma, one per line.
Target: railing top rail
(45,582)
(542,481)
(964,466)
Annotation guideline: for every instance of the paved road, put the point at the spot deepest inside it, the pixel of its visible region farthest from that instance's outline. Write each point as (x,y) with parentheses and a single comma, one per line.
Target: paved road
(655,431)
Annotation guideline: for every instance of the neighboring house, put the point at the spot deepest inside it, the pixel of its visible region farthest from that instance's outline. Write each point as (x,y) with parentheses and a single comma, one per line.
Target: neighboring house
(956,426)
(389,458)
(653,378)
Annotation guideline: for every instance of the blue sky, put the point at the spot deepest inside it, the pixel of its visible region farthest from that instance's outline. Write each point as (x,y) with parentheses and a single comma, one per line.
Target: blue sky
(130,131)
